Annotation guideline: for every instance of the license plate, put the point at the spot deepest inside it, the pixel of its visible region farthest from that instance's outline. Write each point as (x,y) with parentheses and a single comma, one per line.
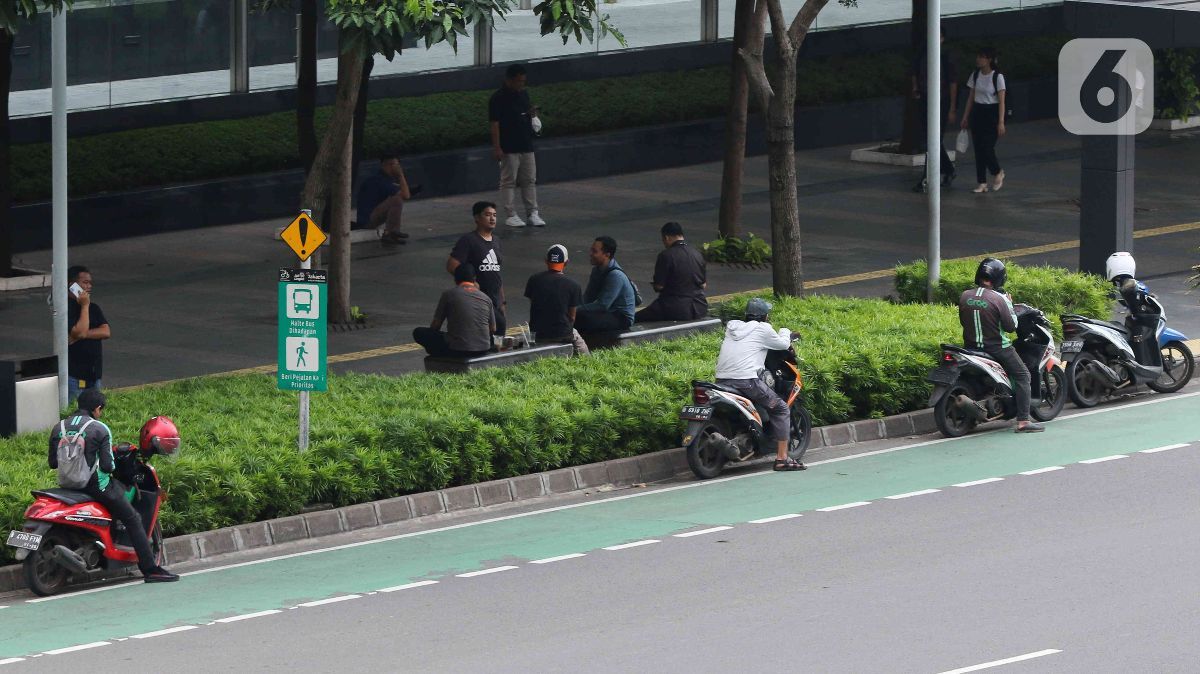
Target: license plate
(25,540)
(943,375)
(696,413)
(1072,346)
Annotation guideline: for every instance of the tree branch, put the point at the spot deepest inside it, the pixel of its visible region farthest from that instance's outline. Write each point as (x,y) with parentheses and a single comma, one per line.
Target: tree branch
(783,42)
(804,21)
(756,75)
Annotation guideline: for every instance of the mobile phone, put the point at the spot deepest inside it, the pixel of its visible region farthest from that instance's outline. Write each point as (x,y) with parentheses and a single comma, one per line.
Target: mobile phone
(75,289)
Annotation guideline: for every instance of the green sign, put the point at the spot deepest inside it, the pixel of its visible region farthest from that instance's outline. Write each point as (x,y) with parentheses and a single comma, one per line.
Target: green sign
(302,329)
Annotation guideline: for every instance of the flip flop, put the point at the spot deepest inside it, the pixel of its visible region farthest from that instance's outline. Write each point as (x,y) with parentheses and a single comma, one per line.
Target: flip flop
(789,465)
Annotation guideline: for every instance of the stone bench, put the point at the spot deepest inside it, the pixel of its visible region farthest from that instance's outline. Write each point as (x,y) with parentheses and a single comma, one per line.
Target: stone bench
(498,359)
(649,332)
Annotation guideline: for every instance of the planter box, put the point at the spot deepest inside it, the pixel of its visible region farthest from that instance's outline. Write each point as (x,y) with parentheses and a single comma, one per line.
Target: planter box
(877,154)
(1192,122)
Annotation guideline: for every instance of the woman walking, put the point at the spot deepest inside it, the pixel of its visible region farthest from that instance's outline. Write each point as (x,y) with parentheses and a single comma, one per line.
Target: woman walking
(985,117)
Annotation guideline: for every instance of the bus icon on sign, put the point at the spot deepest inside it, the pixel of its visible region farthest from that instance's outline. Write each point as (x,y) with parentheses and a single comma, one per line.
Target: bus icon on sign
(303,300)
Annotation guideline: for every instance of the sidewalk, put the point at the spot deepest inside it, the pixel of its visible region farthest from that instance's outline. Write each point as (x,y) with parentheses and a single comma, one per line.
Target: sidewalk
(198,302)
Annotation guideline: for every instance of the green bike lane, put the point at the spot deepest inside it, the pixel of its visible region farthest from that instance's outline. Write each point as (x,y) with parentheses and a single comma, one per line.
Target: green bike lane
(438,554)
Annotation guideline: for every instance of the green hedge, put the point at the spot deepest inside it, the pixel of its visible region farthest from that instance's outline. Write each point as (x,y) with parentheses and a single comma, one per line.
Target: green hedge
(164,155)
(375,437)
(1053,290)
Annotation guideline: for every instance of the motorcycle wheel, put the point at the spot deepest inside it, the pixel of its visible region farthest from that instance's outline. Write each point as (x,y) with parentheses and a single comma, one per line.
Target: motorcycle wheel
(1053,396)
(801,432)
(950,420)
(156,544)
(704,458)
(1177,368)
(43,575)
(1082,387)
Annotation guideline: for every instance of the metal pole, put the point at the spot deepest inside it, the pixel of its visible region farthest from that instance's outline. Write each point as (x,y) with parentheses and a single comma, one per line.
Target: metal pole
(933,140)
(239,65)
(307,264)
(708,20)
(58,152)
(483,43)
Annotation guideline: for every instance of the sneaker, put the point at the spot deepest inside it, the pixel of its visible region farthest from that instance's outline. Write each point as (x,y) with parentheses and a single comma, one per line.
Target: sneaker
(536,220)
(159,575)
(514,221)
(981,189)
(998,182)
(1030,427)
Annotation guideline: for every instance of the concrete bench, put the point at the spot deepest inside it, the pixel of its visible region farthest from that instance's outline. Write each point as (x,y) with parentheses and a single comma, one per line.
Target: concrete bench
(649,332)
(498,359)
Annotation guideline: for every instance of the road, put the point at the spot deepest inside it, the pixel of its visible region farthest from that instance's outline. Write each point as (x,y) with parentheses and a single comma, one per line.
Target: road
(917,555)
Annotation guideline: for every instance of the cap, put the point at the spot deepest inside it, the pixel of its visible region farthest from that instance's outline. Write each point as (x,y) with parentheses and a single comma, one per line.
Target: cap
(557,255)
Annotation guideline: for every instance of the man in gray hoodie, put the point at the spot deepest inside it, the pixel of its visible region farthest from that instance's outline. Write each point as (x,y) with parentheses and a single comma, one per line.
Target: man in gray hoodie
(743,355)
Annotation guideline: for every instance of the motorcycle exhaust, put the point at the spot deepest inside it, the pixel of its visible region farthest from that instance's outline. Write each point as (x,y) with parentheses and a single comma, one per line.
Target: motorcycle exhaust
(971,408)
(68,559)
(1104,374)
(725,446)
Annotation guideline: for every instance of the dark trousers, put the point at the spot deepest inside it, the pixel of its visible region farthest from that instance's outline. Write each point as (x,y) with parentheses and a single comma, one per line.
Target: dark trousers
(113,498)
(1019,374)
(435,344)
(501,318)
(947,166)
(673,309)
(779,427)
(985,120)
(599,320)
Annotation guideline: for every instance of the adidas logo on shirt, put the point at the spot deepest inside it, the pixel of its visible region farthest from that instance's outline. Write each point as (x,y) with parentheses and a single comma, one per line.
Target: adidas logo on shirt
(490,263)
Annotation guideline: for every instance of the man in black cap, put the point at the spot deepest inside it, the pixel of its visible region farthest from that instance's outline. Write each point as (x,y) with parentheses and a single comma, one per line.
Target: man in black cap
(553,297)
(680,278)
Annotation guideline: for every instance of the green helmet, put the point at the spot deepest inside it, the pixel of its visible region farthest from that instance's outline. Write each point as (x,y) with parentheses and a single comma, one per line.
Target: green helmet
(757,309)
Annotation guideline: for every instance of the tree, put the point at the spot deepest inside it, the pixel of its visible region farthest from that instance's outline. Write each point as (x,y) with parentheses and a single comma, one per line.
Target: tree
(775,91)
(13,13)
(369,27)
(748,34)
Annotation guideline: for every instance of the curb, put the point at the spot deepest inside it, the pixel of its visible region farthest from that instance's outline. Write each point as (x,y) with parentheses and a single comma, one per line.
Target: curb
(644,468)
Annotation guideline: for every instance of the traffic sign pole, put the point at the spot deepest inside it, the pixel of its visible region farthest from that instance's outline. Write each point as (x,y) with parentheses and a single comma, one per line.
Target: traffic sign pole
(303,300)
(303,444)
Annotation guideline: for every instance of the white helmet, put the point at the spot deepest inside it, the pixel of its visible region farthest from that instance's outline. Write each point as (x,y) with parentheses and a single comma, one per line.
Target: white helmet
(1120,264)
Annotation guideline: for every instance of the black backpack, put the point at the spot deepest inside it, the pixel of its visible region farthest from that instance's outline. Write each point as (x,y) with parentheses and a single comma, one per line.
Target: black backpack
(1008,97)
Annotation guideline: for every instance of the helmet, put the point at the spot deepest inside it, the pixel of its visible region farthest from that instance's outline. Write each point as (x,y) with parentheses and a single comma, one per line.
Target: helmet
(159,436)
(1118,265)
(757,309)
(991,269)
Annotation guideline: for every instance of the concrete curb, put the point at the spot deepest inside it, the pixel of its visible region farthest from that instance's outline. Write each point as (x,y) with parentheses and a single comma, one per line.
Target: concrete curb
(641,469)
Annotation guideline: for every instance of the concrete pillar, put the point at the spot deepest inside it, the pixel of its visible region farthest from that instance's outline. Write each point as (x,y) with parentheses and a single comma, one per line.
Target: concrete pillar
(239,63)
(1106,199)
(483,43)
(708,20)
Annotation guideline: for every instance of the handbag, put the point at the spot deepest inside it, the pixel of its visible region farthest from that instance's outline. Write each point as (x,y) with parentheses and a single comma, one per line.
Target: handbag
(963,141)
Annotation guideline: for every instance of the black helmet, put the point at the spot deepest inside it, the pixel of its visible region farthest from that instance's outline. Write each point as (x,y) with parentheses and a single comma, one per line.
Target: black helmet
(992,270)
(757,309)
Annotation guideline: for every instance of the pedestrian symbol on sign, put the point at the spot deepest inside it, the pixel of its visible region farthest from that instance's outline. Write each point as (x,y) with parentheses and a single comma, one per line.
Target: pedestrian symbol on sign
(302,354)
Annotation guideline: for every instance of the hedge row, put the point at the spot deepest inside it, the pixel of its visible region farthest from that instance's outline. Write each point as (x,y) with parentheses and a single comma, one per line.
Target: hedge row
(375,437)
(164,155)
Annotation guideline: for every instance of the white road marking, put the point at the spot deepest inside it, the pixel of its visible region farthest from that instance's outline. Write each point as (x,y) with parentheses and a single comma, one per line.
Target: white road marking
(843,506)
(1102,459)
(914,493)
(159,633)
(484,572)
(409,586)
(331,600)
(560,558)
(777,518)
(103,588)
(713,530)
(72,649)
(1006,661)
(1039,471)
(978,482)
(9,661)
(247,616)
(1151,451)
(3,607)
(635,544)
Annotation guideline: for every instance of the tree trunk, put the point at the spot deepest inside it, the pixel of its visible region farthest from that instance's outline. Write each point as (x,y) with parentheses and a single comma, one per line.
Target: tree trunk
(912,123)
(787,272)
(360,122)
(6,225)
(339,233)
(748,33)
(306,85)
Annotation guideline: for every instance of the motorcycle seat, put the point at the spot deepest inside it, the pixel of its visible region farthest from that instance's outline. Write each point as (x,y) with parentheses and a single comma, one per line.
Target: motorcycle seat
(714,385)
(67,496)
(962,349)
(1119,327)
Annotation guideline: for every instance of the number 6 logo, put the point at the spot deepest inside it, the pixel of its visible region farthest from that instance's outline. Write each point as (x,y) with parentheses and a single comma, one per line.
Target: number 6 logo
(1106,87)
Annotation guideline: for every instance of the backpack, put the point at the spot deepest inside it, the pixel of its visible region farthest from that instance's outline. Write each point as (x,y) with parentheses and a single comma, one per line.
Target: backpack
(73,469)
(1008,99)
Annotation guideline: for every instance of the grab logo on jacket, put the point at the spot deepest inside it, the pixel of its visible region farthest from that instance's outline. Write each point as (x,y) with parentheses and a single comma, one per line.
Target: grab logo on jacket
(490,263)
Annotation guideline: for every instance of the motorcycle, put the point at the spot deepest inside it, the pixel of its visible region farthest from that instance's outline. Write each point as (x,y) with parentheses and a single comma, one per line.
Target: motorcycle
(725,427)
(1104,357)
(970,387)
(69,538)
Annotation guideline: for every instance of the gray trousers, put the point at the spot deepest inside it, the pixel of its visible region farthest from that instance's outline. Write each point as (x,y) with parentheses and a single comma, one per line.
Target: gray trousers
(518,170)
(1019,374)
(759,393)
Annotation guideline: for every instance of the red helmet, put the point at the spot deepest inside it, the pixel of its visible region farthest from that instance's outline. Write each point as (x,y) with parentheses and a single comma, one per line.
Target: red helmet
(159,435)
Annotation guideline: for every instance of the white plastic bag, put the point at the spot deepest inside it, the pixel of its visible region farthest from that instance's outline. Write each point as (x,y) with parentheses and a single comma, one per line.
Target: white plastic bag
(963,141)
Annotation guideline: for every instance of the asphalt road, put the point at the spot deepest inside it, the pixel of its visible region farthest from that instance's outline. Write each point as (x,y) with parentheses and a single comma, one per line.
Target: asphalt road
(922,555)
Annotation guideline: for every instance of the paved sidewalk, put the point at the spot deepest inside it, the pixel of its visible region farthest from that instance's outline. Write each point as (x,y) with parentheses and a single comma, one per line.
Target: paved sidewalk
(203,301)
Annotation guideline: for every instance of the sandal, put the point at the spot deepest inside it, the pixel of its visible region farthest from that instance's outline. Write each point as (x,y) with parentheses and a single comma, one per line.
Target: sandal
(789,465)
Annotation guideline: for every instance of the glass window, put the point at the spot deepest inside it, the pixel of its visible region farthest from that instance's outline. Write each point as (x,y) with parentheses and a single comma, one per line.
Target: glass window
(518,37)
(647,23)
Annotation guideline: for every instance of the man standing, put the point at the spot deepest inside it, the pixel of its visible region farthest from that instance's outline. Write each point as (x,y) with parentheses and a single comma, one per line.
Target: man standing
(86,329)
(481,250)
(680,278)
(553,299)
(949,108)
(514,122)
(381,200)
(610,297)
(469,312)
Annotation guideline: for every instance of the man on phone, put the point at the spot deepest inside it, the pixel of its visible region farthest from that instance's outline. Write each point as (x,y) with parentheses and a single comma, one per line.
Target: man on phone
(87,328)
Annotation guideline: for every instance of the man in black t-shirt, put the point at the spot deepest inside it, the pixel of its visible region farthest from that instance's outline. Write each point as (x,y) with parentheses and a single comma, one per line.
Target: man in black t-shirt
(680,277)
(86,328)
(481,250)
(552,300)
(513,122)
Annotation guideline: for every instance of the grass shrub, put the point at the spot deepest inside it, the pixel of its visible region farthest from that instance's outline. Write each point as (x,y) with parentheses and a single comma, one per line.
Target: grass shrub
(374,437)
(127,160)
(1054,290)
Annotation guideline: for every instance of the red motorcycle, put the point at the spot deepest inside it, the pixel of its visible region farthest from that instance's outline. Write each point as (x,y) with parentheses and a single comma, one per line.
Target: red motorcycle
(69,538)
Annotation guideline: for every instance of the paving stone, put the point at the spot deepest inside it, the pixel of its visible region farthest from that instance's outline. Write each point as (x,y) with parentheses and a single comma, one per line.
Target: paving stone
(288,529)
(838,434)
(867,429)
(323,523)
(492,493)
(656,466)
(217,542)
(592,475)
(427,503)
(360,516)
(898,426)
(561,481)
(253,535)
(460,498)
(923,422)
(527,486)
(394,510)
(624,471)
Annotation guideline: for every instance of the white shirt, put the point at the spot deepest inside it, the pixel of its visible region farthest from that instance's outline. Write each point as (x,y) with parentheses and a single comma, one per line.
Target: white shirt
(985,93)
(745,348)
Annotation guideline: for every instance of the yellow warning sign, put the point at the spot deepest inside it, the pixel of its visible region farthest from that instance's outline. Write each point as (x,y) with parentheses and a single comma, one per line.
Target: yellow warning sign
(303,236)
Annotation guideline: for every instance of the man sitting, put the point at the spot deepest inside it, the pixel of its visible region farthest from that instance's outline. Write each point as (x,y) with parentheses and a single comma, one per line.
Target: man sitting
(381,200)
(610,298)
(553,300)
(471,320)
(680,279)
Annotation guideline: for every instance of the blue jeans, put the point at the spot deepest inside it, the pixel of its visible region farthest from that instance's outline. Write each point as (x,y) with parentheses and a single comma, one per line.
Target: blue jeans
(74,387)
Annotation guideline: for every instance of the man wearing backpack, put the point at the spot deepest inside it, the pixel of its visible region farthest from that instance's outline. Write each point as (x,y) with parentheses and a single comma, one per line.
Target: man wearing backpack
(81,451)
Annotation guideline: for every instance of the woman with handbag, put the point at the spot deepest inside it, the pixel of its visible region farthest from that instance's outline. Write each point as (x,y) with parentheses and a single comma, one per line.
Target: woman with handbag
(984,116)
